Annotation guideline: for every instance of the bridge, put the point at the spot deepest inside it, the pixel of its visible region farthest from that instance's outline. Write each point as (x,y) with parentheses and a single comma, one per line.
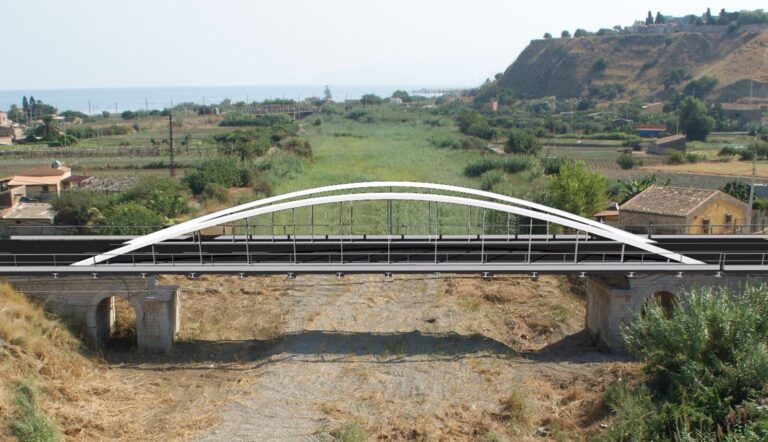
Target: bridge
(384,228)
(297,111)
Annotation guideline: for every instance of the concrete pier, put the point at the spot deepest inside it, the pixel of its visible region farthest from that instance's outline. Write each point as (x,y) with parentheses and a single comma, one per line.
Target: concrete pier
(91,302)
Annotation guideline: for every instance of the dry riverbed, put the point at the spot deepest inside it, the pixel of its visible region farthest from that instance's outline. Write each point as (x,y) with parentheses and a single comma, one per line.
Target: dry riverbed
(411,358)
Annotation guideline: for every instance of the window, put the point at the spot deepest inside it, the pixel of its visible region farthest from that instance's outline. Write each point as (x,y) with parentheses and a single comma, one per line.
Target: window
(729,218)
(45,189)
(705,225)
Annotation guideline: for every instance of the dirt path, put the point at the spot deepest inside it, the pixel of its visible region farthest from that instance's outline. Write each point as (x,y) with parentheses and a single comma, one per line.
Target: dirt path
(414,358)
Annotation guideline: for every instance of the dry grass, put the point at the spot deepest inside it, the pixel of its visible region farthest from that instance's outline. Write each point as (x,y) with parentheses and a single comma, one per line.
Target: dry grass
(88,399)
(730,168)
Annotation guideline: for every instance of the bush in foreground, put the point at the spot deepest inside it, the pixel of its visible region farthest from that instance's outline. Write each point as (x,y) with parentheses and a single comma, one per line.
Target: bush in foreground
(706,370)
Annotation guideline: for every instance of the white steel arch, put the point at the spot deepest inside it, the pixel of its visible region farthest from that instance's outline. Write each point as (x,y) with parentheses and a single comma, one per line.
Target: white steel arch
(210,221)
(372,185)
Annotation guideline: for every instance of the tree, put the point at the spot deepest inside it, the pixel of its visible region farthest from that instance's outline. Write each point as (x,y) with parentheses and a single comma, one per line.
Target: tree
(580,33)
(576,189)
(660,20)
(600,64)
(48,131)
(695,120)
(163,195)
(722,18)
(708,19)
(403,95)
(131,219)
(327,94)
(78,208)
(700,87)
(737,190)
(25,107)
(630,188)
(371,99)
(32,106)
(522,141)
(565,34)
(547,36)
(649,18)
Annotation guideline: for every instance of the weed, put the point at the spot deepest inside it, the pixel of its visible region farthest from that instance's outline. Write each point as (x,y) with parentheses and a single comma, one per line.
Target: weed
(349,432)
(30,424)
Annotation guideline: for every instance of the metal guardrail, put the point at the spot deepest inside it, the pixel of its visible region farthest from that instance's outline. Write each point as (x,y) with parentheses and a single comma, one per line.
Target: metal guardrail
(510,229)
(341,257)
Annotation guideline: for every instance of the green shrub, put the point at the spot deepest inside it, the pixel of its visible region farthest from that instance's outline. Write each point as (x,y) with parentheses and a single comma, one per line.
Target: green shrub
(691,157)
(81,133)
(473,143)
(446,142)
(163,195)
(224,171)
(29,423)
(522,141)
(216,192)
(130,219)
(516,164)
(299,146)
(648,65)
(64,140)
(482,165)
(727,152)
(317,122)
(360,115)
(80,207)
(625,161)
(490,179)
(552,165)
(600,64)
(435,122)
(675,157)
(706,366)
(349,432)
(473,123)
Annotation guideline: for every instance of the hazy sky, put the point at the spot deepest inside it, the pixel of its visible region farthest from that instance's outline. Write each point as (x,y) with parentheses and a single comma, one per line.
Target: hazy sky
(104,43)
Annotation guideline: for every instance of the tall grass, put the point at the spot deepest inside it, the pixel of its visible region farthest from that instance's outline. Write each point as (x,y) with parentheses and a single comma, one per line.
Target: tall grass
(510,164)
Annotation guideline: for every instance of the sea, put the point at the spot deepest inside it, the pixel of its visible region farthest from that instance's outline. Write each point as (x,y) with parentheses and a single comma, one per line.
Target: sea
(97,100)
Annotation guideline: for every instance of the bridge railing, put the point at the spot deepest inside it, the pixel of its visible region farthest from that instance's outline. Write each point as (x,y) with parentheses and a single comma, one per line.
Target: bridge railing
(512,228)
(255,258)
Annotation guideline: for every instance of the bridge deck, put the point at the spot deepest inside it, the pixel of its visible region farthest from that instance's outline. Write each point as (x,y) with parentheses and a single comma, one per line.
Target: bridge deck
(368,254)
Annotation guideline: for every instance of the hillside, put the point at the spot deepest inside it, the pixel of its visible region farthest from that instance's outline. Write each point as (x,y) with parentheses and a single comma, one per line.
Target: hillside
(52,388)
(564,67)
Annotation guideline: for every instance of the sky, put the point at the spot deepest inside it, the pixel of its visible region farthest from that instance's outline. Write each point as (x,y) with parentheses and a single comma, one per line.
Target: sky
(432,43)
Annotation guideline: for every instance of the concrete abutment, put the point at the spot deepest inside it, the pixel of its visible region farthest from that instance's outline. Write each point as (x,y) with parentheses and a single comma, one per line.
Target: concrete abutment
(613,301)
(91,302)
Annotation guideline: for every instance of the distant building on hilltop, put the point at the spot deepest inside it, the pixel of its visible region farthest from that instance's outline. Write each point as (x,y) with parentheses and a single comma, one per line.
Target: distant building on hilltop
(681,210)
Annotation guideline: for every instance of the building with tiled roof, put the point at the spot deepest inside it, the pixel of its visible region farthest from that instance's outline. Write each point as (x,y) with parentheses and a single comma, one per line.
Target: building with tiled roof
(679,210)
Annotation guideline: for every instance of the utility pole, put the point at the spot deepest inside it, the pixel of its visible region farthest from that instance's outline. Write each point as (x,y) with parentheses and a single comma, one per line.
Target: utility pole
(170,125)
(752,186)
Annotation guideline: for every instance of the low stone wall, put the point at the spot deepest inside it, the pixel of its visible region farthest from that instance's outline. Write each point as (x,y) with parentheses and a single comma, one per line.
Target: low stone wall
(90,301)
